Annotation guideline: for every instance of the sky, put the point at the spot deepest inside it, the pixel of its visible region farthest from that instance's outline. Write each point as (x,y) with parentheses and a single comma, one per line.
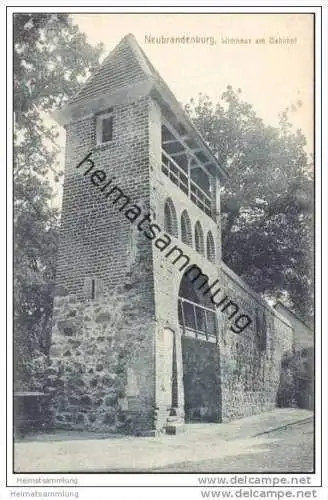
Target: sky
(271,76)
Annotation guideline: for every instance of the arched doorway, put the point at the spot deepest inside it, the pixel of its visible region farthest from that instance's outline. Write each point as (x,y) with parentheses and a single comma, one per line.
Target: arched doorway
(200,353)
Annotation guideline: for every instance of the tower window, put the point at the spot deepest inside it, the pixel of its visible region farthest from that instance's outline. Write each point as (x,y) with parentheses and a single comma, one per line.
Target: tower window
(104,127)
(186,235)
(93,288)
(170,219)
(210,247)
(199,239)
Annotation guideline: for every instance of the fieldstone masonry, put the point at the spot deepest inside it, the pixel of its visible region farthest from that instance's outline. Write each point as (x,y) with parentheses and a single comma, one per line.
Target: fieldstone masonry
(99,373)
(120,360)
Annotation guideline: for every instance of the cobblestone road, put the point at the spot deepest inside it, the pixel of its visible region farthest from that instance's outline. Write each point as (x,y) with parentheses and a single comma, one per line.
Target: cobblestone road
(286,450)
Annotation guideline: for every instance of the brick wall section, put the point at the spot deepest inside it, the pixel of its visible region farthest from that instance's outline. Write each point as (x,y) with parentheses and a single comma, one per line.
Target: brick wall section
(89,242)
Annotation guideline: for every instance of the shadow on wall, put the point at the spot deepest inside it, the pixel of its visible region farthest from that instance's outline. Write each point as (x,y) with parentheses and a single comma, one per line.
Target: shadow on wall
(296,387)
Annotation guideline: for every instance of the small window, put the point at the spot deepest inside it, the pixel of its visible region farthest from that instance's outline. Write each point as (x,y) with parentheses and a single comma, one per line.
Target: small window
(186,235)
(93,288)
(170,218)
(199,239)
(104,127)
(210,247)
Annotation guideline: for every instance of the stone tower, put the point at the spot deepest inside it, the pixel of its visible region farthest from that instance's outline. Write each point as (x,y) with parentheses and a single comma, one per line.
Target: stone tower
(149,324)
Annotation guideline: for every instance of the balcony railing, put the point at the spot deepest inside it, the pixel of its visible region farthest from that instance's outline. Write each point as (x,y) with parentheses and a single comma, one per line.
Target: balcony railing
(198,319)
(180,178)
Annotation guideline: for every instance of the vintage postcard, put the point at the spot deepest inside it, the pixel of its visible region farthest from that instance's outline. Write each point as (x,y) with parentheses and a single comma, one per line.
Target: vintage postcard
(165,321)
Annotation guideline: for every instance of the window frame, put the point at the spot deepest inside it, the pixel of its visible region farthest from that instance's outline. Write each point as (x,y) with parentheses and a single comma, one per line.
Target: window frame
(171,219)
(210,247)
(199,239)
(186,229)
(100,117)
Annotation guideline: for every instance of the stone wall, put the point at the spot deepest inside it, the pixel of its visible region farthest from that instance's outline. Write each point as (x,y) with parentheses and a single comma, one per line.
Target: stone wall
(303,334)
(100,374)
(250,361)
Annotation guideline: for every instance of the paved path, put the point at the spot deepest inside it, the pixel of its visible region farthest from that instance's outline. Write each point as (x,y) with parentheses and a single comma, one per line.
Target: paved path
(201,448)
(289,449)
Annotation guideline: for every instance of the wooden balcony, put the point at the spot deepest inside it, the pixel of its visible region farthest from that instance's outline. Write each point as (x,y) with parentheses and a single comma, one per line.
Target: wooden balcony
(181,179)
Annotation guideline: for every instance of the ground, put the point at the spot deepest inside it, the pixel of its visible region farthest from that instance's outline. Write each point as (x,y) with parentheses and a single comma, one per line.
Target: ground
(278,441)
(288,450)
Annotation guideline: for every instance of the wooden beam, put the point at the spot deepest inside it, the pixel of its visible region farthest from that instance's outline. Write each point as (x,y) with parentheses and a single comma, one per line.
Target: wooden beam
(199,166)
(189,177)
(171,129)
(179,153)
(170,141)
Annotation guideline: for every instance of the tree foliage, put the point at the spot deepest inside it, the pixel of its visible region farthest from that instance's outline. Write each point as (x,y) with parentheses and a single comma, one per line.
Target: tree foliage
(267,202)
(51,59)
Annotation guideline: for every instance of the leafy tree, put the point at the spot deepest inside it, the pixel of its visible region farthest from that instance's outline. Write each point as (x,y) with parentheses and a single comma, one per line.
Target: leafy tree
(267,202)
(51,59)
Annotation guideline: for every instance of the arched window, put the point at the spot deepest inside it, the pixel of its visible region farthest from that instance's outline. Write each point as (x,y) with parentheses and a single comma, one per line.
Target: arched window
(199,238)
(186,235)
(170,218)
(196,310)
(210,247)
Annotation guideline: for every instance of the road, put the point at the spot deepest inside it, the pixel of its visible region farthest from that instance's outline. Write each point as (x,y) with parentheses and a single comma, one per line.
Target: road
(247,445)
(287,450)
